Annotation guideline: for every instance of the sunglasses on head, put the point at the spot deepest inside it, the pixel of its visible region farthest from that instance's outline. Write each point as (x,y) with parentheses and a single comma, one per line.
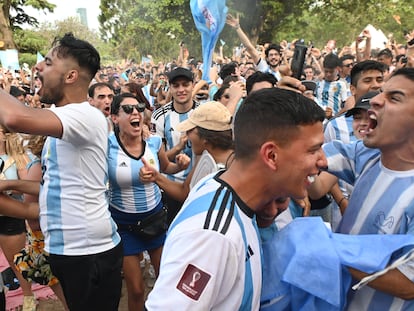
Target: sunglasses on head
(128,109)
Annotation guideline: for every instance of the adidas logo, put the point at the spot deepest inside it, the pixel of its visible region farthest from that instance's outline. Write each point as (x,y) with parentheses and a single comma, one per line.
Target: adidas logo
(123,164)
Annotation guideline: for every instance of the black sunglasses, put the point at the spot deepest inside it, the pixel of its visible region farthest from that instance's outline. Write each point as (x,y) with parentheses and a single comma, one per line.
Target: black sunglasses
(128,109)
(349,65)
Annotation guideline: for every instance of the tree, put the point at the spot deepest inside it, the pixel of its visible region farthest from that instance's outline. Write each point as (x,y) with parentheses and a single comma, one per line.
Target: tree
(12,15)
(40,39)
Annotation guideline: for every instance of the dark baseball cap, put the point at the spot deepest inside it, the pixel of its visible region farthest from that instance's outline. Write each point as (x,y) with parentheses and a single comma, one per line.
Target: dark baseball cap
(362,103)
(179,72)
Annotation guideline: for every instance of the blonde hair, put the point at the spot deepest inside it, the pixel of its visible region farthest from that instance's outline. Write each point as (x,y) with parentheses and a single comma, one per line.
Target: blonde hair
(35,144)
(14,149)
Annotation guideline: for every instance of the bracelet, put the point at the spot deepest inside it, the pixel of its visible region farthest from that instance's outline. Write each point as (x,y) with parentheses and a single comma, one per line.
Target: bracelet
(237,26)
(340,201)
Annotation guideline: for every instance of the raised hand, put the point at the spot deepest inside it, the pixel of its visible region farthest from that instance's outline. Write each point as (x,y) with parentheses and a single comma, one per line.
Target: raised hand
(182,160)
(147,173)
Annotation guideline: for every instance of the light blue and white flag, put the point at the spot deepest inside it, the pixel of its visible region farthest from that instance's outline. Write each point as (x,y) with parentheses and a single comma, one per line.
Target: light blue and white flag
(305,264)
(209,17)
(10,59)
(39,58)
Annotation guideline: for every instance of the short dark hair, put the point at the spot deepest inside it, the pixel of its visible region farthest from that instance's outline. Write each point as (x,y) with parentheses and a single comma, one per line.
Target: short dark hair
(346,57)
(229,79)
(217,139)
(406,72)
(273,46)
(272,114)
(331,61)
(83,52)
(227,70)
(259,76)
(363,66)
(93,87)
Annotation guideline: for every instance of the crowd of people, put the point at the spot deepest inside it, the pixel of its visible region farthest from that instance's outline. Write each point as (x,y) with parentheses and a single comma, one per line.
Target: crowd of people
(104,165)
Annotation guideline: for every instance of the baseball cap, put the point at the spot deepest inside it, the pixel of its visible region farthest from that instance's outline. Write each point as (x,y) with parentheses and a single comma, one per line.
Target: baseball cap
(211,115)
(362,103)
(386,52)
(179,72)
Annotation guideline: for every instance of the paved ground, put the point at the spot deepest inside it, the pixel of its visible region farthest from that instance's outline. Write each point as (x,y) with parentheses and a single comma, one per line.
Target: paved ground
(55,305)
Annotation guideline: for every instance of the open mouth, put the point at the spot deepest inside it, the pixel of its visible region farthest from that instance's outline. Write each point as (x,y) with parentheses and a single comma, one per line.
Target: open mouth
(311,179)
(372,121)
(135,124)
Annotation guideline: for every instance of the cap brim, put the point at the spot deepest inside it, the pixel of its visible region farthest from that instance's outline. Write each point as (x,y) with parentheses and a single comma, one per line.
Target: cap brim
(171,80)
(185,126)
(352,111)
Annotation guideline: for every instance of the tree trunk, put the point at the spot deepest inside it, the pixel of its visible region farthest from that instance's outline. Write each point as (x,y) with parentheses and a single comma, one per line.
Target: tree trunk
(6,34)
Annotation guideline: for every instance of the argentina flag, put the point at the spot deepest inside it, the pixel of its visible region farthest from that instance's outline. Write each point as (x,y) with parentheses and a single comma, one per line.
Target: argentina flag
(209,17)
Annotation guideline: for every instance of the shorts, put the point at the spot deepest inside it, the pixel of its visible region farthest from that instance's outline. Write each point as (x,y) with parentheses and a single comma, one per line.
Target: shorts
(131,242)
(90,282)
(32,261)
(12,226)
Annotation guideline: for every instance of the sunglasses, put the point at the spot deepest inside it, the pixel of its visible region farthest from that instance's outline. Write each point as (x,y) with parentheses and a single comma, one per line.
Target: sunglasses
(349,65)
(128,109)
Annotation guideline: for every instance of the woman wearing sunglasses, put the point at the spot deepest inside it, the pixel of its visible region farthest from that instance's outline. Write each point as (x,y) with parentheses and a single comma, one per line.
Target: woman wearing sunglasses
(130,200)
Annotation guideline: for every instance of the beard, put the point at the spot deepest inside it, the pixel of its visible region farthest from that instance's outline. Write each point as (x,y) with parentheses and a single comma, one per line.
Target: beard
(52,95)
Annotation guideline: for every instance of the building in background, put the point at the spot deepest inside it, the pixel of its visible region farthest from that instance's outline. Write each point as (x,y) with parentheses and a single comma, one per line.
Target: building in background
(82,16)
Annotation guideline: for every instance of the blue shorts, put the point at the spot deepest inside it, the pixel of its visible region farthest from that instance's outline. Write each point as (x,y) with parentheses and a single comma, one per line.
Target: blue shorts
(132,243)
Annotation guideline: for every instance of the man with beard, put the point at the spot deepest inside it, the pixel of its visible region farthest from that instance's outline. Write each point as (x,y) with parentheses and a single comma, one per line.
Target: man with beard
(273,52)
(80,235)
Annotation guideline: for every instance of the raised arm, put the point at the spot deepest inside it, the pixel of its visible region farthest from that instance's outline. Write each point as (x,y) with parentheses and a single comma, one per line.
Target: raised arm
(251,49)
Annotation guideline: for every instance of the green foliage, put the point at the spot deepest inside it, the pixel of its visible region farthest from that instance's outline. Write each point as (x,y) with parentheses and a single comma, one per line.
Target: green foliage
(135,28)
(27,58)
(21,17)
(29,41)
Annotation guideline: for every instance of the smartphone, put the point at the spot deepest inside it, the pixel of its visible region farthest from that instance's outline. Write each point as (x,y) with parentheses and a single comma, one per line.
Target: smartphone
(298,60)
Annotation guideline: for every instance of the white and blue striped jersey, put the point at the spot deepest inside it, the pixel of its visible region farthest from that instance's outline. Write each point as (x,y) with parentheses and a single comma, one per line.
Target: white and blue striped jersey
(339,128)
(74,214)
(382,203)
(126,192)
(331,94)
(163,122)
(212,257)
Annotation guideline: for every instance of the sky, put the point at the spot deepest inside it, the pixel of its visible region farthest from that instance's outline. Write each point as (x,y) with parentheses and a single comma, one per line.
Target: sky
(67,8)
